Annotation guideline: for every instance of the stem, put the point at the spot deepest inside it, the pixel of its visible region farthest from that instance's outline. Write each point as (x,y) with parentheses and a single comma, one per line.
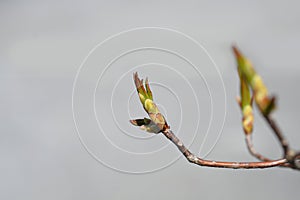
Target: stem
(252,150)
(257,155)
(279,135)
(220,164)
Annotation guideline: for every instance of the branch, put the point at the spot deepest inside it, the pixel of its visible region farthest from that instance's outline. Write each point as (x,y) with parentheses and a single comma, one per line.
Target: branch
(219,164)
(257,155)
(249,78)
(252,150)
(279,135)
(158,124)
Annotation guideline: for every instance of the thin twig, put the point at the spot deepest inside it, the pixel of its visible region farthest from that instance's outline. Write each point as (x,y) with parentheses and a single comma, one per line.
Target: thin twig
(252,150)
(257,155)
(283,142)
(220,164)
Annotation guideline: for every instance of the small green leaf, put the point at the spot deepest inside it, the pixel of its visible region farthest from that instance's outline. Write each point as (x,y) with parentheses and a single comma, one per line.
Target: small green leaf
(146,125)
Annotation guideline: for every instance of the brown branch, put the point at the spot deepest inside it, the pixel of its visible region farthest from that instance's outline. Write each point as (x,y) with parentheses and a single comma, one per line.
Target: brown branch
(283,142)
(252,150)
(290,159)
(257,155)
(220,164)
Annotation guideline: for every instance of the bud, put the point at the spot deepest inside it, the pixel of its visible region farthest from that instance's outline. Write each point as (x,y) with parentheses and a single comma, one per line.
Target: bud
(157,122)
(248,119)
(266,104)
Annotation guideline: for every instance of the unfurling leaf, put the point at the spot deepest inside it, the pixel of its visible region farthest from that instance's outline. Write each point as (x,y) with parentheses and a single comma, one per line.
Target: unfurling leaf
(143,93)
(140,122)
(157,122)
(266,104)
(146,125)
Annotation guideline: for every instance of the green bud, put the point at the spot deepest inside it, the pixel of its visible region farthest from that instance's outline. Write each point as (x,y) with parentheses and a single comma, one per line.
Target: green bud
(157,122)
(266,104)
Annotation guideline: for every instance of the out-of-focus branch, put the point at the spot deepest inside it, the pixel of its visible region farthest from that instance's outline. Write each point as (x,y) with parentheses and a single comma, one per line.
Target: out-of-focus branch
(257,155)
(266,104)
(252,150)
(278,134)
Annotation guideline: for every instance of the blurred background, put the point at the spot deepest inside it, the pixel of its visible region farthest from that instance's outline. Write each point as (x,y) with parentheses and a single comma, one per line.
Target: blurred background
(67,95)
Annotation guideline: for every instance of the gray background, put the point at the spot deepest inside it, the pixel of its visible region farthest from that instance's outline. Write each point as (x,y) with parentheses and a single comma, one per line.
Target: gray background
(44,43)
